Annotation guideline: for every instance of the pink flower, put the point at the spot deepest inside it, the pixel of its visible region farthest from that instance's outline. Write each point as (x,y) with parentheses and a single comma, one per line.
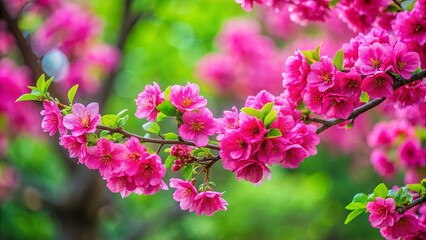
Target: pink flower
(403,61)
(382,135)
(406,225)
(293,156)
(76,146)
(349,83)
(373,58)
(106,156)
(247,5)
(121,183)
(136,152)
(52,120)
(322,74)
(148,177)
(411,26)
(382,164)
(234,147)
(271,150)
(187,98)
(147,102)
(378,85)
(410,94)
(198,126)
(229,122)
(337,106)
(252,170)
(82,120)
(411,153)
(251,128)
(208,203)
(314,100)
(382,212)
(295,73)
(185,192)
(308,10)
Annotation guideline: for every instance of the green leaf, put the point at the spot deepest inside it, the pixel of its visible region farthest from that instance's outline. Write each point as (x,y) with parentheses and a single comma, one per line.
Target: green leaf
(167,108)
(349,125)
(169,161)
(121,112)
(317,53)
(152,127)
(408,4)
(36,92)
(270,118)
(187,172)
(160,117)
(167,92)
(273,133)
(109,120)
(364,98)
(381,191)
(104,134)
(333,3)
(338,60)
(40,82)
(71,93)
(122,120)
(417,187)
(353,215)
(253,112)
(170,136)
(27,97)
(360,197)
(309,56)
(355,206)
(47,85)
(267,108)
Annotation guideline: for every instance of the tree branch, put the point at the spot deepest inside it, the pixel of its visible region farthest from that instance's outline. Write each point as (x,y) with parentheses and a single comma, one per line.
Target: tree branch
(414,203)
(359,110)
(152,140)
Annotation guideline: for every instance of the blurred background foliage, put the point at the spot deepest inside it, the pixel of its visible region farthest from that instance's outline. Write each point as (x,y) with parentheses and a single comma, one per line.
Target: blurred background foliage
(305,203)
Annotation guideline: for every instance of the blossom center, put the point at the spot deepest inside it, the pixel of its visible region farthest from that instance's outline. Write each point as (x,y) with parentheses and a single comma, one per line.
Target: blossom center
(380,81)
(400,65)
(197,126)
(85,122)
(106,158)
(353,84)
(148,170)
(326,77)
(376,62)
(133,156)
(186,102)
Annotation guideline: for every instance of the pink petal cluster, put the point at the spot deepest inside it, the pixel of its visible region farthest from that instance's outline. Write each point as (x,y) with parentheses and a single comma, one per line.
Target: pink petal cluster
(406,226)
(207,202)
(382,164)
(246,148)
(198,126)
(382,212)
(52,120)
(83,119)
(147,102)
(187,98)
(183,155)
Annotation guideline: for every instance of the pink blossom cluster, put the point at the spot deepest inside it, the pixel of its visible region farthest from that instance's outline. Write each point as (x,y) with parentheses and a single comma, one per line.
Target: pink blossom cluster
(392,225)
(411,155)
(246,62)
(205,202)
(183,155)
(301,11)
(74,34)
(247,146)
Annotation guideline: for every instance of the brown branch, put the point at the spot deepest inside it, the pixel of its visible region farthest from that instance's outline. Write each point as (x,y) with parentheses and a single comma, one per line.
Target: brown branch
(359,110)
(152,140)
(414,203)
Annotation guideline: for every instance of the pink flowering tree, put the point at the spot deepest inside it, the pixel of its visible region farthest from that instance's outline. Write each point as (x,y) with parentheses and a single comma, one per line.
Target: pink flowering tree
(381,67)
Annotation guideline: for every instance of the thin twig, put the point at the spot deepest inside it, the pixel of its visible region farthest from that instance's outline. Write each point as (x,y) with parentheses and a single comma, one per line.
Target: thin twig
(414,203)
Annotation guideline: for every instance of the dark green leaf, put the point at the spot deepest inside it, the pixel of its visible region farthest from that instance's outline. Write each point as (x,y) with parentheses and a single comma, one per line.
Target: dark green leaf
(273,133)
(353,215)
(333,3)
(109,120)
(408,4)
(167,108)
(169,161)
(338,60)
(27,97)
(152,127)
(360,197)
(71,93)
(381,191)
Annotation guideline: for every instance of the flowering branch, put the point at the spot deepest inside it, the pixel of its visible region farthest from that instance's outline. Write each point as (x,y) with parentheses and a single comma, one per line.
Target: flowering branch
(152,140)
(414,203)
(332,122)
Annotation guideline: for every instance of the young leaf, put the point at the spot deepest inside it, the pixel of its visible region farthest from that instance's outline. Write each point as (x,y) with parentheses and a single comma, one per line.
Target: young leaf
(417,187)
(122,120)
(273,133)
(270,118)
(364,98)
(355,206)
(309,56)
(333,3)
(71,93)
(121,112)
(317,53)
(187,172)
(167,108)
(40,82)
(27,97)
(170,136)
(169,161)
(353,215)
(267,108)
(360,197)
(338,60)
(253,112)
(47,85)
(109,120)
(152,127)
(167,92)
(381,191)
(160,117)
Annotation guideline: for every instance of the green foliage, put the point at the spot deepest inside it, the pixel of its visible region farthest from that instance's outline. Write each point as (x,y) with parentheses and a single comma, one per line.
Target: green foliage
(170,136)
(338,60)
(273,133)
(152,127)
(71,93)
(352,215)
(169,161)
(187,171)
(312,56)
(381,191)
(38,92)
(109,120)
(167,108)
(333,3)
(364,98)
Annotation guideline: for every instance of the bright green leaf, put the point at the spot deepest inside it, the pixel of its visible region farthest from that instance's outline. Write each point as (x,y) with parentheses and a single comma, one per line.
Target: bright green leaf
(169,161)
(317,53)
(47,85)
(170,136)
(109,120)
(253,112)
(104,134)
(408,4)
(333,3)
(309,56)
(27,97)
(187,172)
(273,133)
(121,112)
(40,82)
(152,127)
(160,117)
(364,98)
(353,215)
(270,118)
(122,120)
(71,93)
(417,187)
(355,206)
(167,92)
(349,125)
(267,108)
(167,108)
(381,191)
(360,197)
(338,60)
